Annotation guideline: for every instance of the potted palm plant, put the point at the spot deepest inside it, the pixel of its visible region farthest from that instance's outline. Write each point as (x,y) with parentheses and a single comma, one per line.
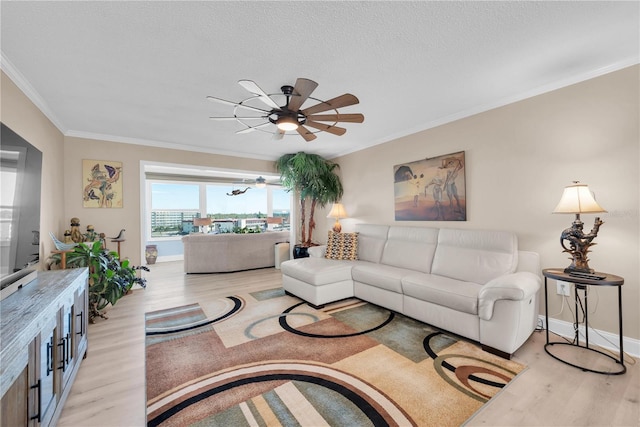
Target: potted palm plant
(314,180)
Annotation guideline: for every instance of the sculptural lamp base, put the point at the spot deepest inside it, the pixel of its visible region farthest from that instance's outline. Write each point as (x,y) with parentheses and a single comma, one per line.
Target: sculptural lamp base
(573,269)
(579,244)
(337,228)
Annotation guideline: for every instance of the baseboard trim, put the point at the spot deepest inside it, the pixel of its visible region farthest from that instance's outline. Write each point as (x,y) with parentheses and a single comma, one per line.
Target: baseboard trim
(597,337)
(168,258)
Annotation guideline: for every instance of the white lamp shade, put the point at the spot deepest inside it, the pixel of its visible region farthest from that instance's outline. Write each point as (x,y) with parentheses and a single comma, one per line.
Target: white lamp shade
(337,211)
(577,199)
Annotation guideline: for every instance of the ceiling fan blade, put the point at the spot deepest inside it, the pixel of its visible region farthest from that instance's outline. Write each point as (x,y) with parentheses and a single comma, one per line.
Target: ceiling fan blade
(246,130)
(303,89)
(336,130)
(347,118)
(236,104)
(252,128)
(238,118)
(304,132)
(252,87)
(279,134)
(337,102)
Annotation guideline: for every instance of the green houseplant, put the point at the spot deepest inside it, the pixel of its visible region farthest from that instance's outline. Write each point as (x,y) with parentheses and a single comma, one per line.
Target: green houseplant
(314,180)
(109,277)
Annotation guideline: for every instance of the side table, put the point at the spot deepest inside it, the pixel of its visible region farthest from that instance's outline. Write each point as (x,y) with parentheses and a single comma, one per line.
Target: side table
(63,257)
(582,283)
(118,241)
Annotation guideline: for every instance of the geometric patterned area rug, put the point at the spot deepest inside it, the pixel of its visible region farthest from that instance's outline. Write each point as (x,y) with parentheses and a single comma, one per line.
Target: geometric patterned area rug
(268,359)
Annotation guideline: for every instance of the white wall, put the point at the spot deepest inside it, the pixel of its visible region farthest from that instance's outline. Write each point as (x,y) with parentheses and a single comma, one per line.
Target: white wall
(518,160)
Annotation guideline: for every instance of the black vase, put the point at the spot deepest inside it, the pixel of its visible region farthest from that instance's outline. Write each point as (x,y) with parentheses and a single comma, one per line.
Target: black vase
(300,252)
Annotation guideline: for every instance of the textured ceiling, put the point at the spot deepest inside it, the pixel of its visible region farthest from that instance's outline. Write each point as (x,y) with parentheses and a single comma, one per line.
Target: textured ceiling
(140,72)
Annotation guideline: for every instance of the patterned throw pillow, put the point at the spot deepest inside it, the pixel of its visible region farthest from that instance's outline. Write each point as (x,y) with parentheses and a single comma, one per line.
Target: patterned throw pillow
(342,246)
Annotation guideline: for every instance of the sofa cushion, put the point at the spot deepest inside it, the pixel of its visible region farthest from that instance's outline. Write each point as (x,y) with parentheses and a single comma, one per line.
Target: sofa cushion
(371,240)
(317,271)
(455,294)
(474,255)
(342,246)
(379,275)
(410,247)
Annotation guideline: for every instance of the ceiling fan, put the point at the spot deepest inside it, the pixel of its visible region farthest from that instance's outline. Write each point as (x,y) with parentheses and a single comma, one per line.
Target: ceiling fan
(290,116)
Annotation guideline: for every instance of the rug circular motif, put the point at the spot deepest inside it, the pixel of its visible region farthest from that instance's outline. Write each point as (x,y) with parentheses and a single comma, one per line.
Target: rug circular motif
(373,404)
(285,325)
(236,305)
(466,374)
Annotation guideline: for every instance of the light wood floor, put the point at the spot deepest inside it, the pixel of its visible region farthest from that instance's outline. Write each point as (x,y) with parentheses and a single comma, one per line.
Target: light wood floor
(110,387)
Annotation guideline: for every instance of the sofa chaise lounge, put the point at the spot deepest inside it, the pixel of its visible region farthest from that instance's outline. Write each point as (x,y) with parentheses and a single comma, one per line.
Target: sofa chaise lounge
(473,283)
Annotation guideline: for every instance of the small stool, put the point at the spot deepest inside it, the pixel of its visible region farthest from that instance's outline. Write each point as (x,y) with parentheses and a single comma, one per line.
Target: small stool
(118,242)
(63,257)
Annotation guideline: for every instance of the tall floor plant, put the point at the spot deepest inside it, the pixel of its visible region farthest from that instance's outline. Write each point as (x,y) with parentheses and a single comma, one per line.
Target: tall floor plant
(314,180)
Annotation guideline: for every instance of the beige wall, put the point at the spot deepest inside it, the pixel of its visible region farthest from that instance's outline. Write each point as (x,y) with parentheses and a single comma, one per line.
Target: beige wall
(111,221)
(25,119)
(518,160)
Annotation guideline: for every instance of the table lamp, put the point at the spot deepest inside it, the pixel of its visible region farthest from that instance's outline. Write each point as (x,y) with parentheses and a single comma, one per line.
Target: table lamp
(577,199)
(337,212)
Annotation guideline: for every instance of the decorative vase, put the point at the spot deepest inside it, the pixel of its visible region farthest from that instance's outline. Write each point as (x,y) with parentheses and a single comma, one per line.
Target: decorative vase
(151,253)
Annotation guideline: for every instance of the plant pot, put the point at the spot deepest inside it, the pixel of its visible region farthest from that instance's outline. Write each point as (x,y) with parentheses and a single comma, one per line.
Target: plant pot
(300,252)
(151,254)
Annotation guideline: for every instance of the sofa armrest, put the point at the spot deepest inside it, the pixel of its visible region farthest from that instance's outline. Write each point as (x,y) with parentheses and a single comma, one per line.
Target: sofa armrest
(317,251)
(516,287)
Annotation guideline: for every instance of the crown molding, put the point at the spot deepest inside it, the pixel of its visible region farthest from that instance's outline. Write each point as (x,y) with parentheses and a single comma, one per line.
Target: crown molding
(161,144)
(30,92)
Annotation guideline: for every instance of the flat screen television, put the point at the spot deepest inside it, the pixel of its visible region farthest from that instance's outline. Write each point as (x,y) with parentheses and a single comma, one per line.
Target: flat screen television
(20,182)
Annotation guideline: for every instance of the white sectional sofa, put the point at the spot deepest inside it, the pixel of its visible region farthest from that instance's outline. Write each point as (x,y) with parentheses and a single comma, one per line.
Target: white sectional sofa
(473,283)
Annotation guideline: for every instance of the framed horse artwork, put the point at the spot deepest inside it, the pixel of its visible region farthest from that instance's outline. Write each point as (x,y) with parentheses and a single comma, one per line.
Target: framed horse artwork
(432,189)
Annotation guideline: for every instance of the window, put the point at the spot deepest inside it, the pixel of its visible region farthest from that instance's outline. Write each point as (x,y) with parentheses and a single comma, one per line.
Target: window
(174,205)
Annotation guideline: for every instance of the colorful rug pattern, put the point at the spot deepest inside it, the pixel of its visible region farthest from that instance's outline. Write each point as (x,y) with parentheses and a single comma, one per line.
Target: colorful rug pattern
(268,359)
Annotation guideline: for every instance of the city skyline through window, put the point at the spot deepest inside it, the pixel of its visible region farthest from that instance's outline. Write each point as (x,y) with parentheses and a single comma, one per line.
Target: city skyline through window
(175,204)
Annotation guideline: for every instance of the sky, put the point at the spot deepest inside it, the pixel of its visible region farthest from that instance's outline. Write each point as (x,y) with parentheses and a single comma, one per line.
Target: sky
(185,196)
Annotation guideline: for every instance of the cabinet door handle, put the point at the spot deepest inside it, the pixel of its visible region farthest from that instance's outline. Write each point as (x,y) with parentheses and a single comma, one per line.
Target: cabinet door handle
(37,416)
(81,316)
(67,352)
(62,344)
(50,356)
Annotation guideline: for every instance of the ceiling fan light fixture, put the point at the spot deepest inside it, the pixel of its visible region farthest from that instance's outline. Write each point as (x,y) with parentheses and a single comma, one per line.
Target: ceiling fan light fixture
(290,117)
(287,123)
(261,182)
